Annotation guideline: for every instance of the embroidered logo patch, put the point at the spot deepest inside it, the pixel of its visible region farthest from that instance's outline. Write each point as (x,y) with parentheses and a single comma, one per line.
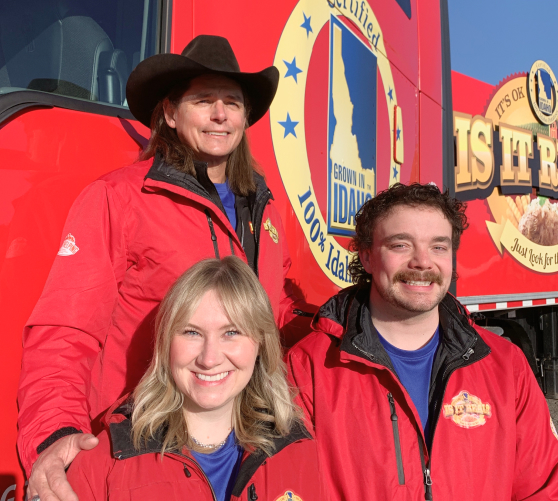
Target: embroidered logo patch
(69,247)
(289,496)
(272,231)
(553,428)
(467,411)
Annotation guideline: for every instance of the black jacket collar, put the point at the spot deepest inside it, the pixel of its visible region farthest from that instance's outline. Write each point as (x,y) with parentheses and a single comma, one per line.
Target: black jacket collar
(460,344)
(123,448)
(249,209)
(349,308)
(201,184)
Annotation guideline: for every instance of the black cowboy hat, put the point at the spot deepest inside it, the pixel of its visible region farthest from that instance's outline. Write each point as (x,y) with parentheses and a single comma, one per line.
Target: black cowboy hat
(154,77)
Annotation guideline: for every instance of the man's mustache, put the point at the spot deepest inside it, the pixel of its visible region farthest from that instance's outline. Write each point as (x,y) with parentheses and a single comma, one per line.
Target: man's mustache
(418,276)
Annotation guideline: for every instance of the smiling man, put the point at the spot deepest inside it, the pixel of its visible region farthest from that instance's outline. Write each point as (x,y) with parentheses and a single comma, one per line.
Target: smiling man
(408,398)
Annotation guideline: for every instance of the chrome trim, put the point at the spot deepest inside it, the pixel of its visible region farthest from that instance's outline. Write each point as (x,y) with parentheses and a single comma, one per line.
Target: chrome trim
(504,298)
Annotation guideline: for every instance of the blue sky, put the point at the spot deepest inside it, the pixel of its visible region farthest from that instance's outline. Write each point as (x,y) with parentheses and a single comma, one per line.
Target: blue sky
(491,39)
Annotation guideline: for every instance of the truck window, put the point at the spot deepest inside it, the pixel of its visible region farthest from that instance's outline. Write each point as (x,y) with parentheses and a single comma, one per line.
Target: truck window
(78,48)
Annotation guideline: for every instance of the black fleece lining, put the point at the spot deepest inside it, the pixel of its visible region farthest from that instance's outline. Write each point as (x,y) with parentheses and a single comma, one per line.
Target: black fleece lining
(458,337)
(337,308)
(254,461)
(121,438)
(121,435)
(360,335)
(160,171)
(203,187)
(203,179)
(57,435)
(243,230)
(122,447)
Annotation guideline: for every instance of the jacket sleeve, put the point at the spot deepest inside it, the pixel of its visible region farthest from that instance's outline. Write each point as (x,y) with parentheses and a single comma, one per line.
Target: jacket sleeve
(536,471)
(68,327)
(299,372)
(295,314)
(89,472)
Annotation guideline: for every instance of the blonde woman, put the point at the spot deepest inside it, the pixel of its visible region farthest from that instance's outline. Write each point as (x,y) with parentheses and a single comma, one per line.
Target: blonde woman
(213,418)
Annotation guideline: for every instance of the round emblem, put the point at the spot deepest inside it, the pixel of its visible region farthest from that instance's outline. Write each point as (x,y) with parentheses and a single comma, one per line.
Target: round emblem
(467,411)
(542,92)
(335,77)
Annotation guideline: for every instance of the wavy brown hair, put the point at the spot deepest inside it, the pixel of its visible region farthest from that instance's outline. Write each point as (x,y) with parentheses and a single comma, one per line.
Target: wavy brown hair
(165,141)
(264,410)
(413,195)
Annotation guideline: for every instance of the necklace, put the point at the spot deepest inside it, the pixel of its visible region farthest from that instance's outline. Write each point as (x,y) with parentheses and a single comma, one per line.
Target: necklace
(215,447)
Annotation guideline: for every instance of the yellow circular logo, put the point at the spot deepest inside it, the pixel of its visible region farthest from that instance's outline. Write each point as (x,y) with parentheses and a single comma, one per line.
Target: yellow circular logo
(324,118)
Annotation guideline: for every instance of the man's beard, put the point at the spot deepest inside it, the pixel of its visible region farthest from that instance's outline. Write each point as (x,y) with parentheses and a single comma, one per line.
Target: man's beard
(415,302)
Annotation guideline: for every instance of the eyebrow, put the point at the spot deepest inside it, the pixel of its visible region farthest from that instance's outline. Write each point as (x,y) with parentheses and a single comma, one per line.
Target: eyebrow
(203,94)
(408,236)
(198,328)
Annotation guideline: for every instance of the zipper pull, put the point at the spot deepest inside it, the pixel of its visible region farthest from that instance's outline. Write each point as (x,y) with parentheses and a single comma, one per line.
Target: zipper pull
(427,477)
(252,496)
(392,405)
(187,472)
(468,354)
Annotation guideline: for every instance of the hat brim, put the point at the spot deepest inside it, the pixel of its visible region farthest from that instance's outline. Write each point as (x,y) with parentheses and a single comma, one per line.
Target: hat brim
(155,77)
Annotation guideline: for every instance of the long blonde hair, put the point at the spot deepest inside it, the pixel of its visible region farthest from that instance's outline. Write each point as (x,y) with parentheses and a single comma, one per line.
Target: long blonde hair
(264,410)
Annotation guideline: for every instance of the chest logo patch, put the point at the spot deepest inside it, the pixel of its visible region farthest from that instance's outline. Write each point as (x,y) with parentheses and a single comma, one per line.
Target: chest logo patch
(467,411)
(553,428)
(68,247)
(272,232)
(289,496)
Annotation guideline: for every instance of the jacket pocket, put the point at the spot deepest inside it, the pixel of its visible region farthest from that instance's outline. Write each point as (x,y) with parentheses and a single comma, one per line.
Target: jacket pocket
(396,440)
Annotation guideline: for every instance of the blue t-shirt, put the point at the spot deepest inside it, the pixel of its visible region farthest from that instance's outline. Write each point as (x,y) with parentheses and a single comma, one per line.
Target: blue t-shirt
(227,199)
(221,467)
(414,369)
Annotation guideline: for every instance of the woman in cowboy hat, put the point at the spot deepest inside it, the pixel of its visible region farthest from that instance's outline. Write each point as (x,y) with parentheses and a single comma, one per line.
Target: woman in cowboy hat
(194,194)
(213,417)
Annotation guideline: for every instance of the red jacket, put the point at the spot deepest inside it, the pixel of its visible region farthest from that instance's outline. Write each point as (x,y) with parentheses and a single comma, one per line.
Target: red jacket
(115,470)
(492,432)
(131,234)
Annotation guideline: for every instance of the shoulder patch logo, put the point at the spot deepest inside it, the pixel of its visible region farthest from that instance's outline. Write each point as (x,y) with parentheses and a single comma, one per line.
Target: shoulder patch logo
(467,411)
(272,231)
(289,496)
(553,428)
(68,247)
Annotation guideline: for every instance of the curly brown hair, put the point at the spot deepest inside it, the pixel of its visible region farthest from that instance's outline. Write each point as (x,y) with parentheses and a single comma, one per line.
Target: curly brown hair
(413,195)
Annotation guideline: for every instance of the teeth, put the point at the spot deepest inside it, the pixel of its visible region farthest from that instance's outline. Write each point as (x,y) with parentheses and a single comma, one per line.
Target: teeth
(216,377)
(217,133)
(420,284)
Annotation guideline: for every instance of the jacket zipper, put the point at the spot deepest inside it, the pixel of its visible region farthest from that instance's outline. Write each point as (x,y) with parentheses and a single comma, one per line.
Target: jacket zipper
(398,457)
(213,235)
(188,474)
(395,427)
(263,196)
(450,369)
(368,355)
(257,216)
(425,470)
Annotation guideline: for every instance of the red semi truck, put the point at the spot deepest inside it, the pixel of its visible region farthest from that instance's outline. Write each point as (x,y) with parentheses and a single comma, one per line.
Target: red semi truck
(364,101)
(505,168)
